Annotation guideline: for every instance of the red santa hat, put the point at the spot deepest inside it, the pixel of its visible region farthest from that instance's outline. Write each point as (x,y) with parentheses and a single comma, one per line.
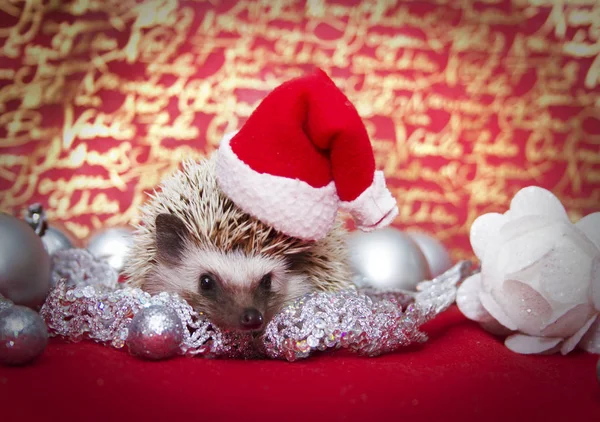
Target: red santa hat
(302,155)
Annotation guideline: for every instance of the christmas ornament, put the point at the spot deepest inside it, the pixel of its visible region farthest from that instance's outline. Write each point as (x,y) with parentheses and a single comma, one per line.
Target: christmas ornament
(155,333)
(386,259)
(111,245)
(539,275)
(366,321)
(79,267)
(53,239)
(23,335)
(56,240)
(438,258)
(24,263)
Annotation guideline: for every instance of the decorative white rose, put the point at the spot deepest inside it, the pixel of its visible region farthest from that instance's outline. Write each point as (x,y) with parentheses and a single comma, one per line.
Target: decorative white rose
(540,276)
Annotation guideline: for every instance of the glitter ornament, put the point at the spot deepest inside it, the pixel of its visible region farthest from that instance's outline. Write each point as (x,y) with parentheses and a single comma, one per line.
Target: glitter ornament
(111,245)
(155,333)
(367,321)
(24,263)
(23,335)
(386,259)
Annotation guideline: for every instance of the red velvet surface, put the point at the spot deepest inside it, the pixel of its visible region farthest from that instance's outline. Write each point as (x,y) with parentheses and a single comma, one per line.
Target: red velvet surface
(462,374)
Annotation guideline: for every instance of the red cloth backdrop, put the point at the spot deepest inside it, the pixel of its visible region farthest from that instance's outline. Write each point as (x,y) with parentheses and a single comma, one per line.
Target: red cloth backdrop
(466,102)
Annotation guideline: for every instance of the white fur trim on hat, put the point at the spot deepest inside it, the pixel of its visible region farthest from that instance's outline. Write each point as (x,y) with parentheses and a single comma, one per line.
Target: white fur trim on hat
(289,205)
(375,207)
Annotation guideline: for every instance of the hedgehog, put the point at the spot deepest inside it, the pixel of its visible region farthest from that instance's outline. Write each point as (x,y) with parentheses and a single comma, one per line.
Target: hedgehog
(229,266)
(242,233)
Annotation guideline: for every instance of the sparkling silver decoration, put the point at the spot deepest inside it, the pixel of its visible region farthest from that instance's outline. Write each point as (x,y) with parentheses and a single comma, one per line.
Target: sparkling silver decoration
(386,259)
(54,240)
(155,333)
(79,267)
(367,321)
(24,263)
(23,335)
(111,245)
(103,314)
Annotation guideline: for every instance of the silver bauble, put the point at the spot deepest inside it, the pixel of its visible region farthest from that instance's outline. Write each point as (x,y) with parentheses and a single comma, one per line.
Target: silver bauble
(111,245)
(24,263)
(437,256)
(23,335)
(155,333)
(55,240)
(386,259)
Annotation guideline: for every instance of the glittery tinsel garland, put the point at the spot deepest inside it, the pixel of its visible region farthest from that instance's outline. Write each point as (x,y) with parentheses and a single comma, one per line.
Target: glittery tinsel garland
(365,321)
(79,267)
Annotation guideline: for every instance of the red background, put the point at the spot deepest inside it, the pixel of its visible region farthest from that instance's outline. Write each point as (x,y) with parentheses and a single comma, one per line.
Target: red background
(465,102)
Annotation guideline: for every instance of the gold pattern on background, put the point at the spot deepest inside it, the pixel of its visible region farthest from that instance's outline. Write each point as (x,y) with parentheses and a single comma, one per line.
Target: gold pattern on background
(466,102)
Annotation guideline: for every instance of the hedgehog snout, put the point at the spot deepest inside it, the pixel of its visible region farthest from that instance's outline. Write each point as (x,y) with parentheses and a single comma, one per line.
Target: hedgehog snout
(251,319)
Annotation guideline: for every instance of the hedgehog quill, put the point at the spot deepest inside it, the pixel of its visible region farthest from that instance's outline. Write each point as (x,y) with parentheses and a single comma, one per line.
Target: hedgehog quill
(255,226)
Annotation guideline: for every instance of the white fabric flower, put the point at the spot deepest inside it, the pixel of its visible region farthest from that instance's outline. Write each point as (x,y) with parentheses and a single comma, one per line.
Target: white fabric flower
(540,276)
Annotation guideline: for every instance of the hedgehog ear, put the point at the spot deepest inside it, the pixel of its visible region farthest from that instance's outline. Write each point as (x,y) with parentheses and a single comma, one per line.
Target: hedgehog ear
(170,238)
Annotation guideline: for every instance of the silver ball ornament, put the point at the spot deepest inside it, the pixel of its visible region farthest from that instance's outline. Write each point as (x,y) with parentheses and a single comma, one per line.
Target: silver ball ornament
(55,240)
(386,259)
(23,335)
(155,333)
(436,254)
(111,245)
(24,263)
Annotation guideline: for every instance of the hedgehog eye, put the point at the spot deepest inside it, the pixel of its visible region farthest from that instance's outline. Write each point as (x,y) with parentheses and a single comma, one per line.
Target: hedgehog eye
(265,281)
(207,282)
